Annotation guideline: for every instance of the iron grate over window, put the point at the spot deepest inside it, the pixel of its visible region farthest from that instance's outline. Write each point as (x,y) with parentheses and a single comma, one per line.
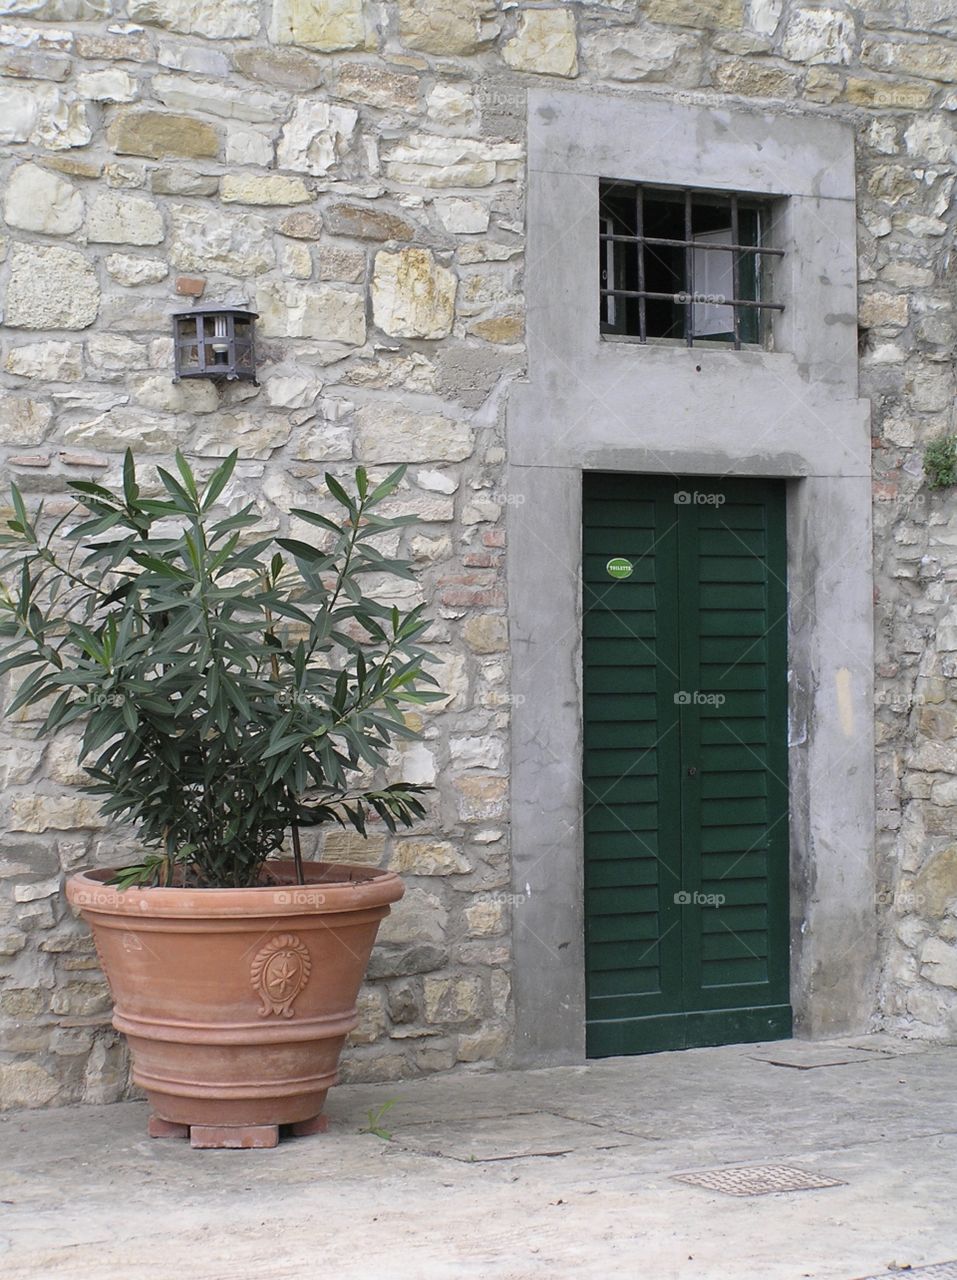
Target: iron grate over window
(685,264)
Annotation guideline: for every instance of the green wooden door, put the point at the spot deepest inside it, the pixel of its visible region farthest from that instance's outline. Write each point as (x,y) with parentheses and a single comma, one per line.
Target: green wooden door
(685,763)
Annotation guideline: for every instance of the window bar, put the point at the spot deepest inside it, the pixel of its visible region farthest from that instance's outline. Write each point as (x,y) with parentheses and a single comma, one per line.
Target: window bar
(640,246)
(735,272)
(689,271)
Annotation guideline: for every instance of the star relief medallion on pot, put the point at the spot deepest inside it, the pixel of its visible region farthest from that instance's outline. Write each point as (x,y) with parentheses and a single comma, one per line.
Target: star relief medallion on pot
(279,972)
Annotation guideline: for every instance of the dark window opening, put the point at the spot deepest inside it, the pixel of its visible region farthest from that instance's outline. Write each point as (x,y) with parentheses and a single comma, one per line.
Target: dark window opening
(683,264)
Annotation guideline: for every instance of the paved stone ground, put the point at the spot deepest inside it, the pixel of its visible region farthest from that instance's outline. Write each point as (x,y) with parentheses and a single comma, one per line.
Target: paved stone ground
(563,1172)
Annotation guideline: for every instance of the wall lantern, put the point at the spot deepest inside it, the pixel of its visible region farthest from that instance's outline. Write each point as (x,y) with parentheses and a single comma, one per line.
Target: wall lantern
(215,342)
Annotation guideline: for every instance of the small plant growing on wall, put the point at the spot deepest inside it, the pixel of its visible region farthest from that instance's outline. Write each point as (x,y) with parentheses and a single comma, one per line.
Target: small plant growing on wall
(940,461)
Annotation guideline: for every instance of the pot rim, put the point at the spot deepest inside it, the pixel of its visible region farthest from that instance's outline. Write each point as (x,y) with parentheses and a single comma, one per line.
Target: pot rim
(352,888)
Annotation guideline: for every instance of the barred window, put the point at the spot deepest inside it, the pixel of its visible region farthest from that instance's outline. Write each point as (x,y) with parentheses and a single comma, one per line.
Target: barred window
(685,264)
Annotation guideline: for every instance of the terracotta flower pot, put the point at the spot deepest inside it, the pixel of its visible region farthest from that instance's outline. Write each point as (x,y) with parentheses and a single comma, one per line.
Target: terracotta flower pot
(236,1002)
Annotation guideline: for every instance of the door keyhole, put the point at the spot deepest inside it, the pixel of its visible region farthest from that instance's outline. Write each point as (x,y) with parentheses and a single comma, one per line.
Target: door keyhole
(692,772)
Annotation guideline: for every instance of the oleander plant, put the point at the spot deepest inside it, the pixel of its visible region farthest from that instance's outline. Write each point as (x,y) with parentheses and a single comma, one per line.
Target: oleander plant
(233,687)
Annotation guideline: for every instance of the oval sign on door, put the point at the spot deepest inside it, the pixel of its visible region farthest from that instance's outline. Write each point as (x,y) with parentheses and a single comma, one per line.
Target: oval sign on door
(619,567)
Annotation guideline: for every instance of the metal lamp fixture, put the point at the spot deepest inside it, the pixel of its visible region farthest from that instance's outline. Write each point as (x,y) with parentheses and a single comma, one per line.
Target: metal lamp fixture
(215,342)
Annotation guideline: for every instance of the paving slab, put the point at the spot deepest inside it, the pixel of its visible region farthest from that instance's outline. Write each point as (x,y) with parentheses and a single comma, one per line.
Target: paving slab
(570,1172)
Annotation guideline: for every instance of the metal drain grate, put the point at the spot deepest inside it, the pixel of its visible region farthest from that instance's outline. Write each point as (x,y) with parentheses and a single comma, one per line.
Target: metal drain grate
(937,1271)
(758,1180)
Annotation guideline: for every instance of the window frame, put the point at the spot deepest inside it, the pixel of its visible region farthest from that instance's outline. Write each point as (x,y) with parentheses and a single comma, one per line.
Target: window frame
(690,244)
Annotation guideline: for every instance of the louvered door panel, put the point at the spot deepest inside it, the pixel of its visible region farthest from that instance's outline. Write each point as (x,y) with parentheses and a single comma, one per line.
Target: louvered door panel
(685,823)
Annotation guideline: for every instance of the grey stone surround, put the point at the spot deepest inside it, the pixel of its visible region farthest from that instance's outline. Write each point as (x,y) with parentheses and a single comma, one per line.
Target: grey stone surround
(790,412)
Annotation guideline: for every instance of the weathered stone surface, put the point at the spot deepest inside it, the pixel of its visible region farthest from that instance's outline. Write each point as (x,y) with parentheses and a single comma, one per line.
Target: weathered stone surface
(505,329)
(160,133)
(204,240)
(461,216)
(248,146)
(428,858)
(545,41)
(114,351)
(386,433)
(317,137)
(50,288)
(739,76)
(181,55)
(117,219)
(119,428)
(210,96)
(696,13)
(627,54)
(396,962)
(412,295)
(935,887)
(318,311)
(342,264)
(451,105)
(451,1000)
(302,225)
(23,422)
(215,19)
(484,1045)
(886,93)
(445,26)
(326,25)
(183,182)
(419,918)
(57,10)
(127,270)
(428,161)
(819,35)
(31,64)
(37,200)
(939,963)
(255,435)
(53,813)
(280,68)
(485,918)
(296,260)
(926,59)
(367,223)
(111,85)
(46,361)
(27,1084)
(361,82)
(158,391)
(237,188)
(18,114)
(883,309)
(480,798)
(471,751)
(486,633)
(133,46)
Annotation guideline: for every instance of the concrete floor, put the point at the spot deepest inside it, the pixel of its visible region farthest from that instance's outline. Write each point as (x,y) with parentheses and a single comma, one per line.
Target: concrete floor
(557,1173)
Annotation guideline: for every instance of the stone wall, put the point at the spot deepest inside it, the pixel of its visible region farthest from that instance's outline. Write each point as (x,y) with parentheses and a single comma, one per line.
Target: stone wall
(355,171)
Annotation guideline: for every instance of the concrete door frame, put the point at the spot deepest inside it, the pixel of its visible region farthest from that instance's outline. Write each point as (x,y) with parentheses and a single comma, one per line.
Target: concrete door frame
(791,412)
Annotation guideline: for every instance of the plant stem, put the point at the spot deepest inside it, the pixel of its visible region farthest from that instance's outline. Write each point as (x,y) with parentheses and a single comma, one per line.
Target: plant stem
(297,854)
